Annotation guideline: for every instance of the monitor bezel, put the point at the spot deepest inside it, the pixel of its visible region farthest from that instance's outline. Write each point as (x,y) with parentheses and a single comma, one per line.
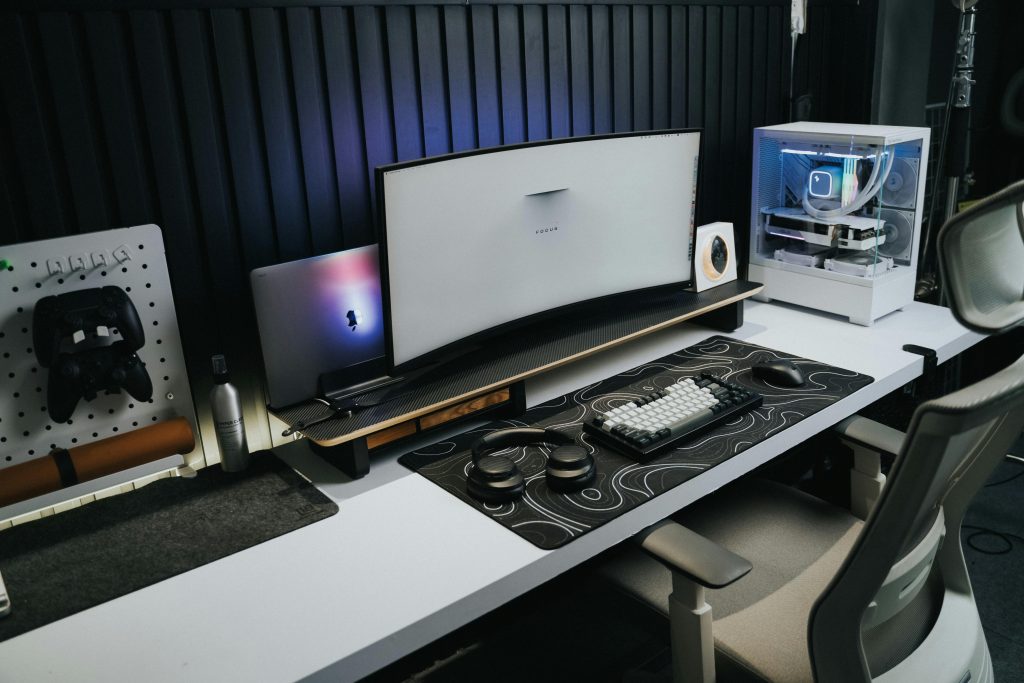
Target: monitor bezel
(496,331)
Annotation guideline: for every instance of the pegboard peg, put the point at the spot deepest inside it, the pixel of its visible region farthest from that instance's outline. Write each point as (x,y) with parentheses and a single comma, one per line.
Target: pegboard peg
(78,262)
(99,259)
(122,254)
(56,266)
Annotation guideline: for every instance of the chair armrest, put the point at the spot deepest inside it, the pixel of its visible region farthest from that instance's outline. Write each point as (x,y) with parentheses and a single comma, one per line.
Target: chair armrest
(699,559)
(871,434)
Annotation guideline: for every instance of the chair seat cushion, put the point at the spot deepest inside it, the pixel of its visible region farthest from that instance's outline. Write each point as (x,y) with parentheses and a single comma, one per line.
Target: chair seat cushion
(796,546)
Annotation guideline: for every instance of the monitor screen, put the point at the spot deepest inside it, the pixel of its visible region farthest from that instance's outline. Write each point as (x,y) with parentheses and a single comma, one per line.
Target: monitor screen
(316,316)
(473,242)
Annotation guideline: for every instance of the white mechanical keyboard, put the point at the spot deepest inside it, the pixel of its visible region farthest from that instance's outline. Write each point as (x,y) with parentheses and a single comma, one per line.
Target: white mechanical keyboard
(649,425)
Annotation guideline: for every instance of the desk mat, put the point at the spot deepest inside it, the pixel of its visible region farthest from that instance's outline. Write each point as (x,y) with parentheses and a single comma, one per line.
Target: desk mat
(59,565)
(549,519)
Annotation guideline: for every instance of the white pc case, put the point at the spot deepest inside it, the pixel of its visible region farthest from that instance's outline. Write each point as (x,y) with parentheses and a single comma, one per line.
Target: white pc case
(836,216)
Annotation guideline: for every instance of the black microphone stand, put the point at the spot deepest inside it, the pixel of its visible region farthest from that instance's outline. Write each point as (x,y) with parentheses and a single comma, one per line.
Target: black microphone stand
(954,146)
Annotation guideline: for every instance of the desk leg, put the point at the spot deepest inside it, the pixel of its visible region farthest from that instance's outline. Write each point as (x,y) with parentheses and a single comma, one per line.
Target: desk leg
(516,399)
(725,319)
(693,643)
(351,457)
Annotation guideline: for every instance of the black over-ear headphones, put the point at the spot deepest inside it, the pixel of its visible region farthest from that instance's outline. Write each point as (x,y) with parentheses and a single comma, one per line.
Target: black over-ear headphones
(496,479)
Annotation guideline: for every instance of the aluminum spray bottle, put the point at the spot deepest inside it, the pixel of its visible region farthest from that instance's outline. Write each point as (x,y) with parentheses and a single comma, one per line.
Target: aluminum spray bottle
(227,419)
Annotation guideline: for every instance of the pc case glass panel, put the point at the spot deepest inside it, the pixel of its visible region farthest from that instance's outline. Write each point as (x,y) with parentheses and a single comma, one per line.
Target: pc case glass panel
(847,208)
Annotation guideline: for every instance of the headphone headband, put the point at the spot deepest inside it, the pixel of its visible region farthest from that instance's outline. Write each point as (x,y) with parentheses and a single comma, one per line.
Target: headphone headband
(517,436)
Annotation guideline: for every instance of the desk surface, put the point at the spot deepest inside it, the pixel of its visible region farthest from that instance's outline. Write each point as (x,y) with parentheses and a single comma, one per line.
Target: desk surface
(403,562)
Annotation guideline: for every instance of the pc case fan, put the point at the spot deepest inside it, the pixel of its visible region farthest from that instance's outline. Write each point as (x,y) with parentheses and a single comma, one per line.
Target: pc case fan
(900,189)
(860,263)
(898,229)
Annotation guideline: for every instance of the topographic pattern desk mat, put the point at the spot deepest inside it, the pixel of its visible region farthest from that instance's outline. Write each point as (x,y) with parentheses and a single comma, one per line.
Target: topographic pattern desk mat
(62,564)
(549,519)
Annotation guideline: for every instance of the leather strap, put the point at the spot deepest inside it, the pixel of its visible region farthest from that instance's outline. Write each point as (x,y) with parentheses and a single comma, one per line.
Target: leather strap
(68,474)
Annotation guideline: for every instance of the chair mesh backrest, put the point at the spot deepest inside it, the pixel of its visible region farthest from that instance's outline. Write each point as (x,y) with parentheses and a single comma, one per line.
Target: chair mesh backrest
(953,443)
(982,259)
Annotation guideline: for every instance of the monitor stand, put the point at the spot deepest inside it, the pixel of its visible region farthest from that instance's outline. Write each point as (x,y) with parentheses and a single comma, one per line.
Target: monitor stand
(481,385)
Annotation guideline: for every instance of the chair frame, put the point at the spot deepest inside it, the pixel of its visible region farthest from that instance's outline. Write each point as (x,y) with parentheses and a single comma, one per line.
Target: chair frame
(907,517)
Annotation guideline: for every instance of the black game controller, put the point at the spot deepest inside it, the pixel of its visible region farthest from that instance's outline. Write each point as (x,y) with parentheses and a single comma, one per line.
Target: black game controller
(71,332)
(81,375)
(82,315)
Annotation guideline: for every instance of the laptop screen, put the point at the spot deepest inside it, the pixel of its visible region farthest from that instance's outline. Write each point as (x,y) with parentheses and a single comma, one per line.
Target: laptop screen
(317,315)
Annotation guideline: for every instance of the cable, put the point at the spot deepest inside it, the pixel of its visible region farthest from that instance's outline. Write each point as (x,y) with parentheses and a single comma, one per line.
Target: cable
(1005,481)
(1005,537)
(1013,458)
(792,70)
(938,169)
(339,411)
(347,407)
(1011,120)
(930,228)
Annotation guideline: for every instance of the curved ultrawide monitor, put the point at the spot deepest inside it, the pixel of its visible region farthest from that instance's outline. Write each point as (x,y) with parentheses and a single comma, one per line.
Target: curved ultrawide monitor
(475,242)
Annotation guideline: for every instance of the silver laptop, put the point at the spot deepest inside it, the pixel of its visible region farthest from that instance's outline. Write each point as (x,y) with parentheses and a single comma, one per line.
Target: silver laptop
(320,317)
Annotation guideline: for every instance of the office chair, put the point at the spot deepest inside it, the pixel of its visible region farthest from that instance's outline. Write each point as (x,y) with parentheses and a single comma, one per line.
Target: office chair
(831,596)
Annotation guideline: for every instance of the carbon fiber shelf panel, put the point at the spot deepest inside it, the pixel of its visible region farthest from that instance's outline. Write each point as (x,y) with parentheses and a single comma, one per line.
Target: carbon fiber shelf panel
(534,348)
(549,519)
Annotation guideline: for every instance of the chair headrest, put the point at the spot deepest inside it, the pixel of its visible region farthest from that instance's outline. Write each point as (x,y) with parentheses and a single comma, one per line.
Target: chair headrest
(981,259)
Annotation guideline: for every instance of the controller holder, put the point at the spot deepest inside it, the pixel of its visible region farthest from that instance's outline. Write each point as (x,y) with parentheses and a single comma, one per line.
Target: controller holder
(68,333)
(83,315)
(74,376)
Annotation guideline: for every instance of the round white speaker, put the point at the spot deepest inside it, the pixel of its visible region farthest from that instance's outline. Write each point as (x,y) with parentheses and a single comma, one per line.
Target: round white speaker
(715,252)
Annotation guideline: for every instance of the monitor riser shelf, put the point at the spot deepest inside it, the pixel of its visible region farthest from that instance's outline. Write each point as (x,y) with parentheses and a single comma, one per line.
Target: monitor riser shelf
(495,387)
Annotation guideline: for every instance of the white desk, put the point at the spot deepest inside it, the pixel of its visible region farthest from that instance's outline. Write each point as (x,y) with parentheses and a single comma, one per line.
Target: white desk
(404,562)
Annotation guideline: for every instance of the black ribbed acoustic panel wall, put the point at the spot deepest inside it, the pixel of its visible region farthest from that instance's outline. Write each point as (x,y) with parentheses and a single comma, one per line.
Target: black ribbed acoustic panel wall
(835,60)
(250,135)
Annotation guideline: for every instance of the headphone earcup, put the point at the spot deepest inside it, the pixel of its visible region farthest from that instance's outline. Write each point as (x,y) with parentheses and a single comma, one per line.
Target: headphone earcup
(570,468)
(495,479)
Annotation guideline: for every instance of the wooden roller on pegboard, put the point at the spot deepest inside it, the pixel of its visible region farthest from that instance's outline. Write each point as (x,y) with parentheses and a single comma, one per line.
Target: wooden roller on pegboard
(61,468)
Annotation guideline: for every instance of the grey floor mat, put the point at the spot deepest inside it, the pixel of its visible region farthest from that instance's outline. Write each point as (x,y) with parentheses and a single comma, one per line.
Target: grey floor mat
(63,564)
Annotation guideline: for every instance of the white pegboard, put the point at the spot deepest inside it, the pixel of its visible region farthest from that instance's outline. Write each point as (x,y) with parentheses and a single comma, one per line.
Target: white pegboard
(130,258)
